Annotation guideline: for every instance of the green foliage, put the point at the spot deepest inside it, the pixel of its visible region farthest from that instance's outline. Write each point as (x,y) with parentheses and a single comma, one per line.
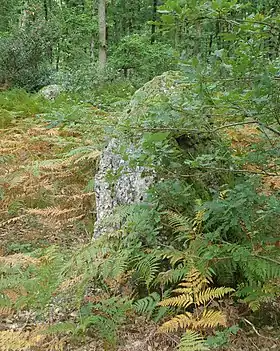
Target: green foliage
(210,132)
(24,61)
(104,318)
(19,103)
(5,118)
(148,306)
(222,338)
(192,341)
(140,60)
(19,248)
(30,282)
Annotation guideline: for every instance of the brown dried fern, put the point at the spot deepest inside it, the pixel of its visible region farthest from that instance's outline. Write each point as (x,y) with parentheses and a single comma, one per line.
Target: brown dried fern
(193,291)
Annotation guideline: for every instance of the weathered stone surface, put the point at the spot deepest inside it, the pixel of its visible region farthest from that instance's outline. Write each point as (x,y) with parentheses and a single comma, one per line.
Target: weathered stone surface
(130,186)
(51,92)
(167,87)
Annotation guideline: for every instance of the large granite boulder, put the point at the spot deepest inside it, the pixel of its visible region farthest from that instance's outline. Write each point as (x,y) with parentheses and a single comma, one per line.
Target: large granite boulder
(152,107)
(51,92)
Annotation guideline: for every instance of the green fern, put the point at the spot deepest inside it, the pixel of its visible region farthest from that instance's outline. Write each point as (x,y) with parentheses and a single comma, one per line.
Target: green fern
(192,341)
(172,276)
(104,317)
(148,304)
(179,223)
(175,256)
(147,268)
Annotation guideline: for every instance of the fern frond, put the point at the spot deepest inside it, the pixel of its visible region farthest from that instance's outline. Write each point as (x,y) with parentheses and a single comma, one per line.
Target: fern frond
(173,275)
(148,304)
(192,341)
(62,327)
(54,212)
(178,301)
(195,280)
(185,291)
(18,260)
(6,311)
(178,222)
(147,268)
(254,305)
(209,294)
(174,256)
(181,321)
(92,156)
(12,220)
(198,220)
(258,269)
(116,265)
(210,319)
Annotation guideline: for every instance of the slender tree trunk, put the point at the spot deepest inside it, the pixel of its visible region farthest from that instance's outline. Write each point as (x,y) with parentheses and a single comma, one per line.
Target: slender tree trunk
(23,16)
(92,39)
(92,48)
(155,4)
(57,57)
(46,10)
(102,34)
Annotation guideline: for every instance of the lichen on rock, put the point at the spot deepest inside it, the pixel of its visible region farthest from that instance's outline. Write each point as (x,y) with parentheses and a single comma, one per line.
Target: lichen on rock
(152,107)
(126,186)
(51,92)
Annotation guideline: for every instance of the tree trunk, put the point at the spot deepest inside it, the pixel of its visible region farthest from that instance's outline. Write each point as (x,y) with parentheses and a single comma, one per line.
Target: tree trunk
(155,5)
(46,10)
(93,34)
(23,16)
(102,33)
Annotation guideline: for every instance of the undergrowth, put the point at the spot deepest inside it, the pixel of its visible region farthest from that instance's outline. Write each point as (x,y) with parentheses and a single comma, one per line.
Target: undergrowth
(48,151)
(177,259)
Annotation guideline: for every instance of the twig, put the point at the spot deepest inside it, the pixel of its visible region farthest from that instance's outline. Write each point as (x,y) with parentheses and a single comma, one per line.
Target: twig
(256,347)
(268,259)
(253,327)
(269,128)
(176,342)
(255,330)
(234,125)
(267,136)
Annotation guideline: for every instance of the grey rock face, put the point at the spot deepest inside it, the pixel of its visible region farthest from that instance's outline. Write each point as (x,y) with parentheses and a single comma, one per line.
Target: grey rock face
(129,187)
(51,92)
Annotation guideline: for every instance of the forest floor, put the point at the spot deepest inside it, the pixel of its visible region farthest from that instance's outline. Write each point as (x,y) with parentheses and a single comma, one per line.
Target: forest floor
(47,195)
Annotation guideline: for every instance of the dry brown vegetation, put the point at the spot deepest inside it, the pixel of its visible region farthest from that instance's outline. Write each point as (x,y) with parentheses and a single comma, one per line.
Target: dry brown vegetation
(45,177)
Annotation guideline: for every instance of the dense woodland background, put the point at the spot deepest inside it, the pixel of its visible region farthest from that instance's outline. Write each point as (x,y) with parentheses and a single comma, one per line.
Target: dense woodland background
(197,264)
(69,41)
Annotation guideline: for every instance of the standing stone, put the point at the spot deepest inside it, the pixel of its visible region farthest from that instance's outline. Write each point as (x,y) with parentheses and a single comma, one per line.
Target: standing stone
(127,185)
(130,186)
(51,92)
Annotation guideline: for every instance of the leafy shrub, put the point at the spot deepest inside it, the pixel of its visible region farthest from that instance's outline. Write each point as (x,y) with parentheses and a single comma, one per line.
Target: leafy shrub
(106,90)
(24,60)
(139,60)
